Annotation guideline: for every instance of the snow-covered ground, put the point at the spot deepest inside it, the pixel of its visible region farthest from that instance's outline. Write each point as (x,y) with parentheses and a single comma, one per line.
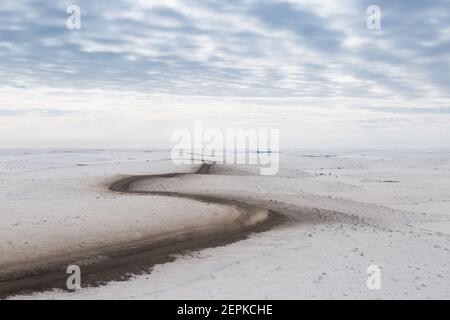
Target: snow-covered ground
(348,209)
(56,206)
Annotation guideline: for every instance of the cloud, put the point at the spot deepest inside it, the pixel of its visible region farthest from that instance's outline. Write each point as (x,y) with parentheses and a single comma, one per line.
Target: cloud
(236,48)
(310,28)
(406,110)
(130,53)
(40,112)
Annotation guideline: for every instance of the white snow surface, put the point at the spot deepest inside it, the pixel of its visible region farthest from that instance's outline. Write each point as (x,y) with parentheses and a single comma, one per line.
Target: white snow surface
(389,208)
(57,204)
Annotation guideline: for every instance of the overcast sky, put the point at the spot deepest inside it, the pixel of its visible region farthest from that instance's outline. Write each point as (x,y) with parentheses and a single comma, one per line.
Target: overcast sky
(138,69)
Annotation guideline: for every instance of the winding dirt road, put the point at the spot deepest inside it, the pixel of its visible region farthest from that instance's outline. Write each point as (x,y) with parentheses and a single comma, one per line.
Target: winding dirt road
(120,262)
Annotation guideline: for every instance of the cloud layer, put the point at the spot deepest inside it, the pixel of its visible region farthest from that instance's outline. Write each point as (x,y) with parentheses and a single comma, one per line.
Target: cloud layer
(300,49)
(231,48)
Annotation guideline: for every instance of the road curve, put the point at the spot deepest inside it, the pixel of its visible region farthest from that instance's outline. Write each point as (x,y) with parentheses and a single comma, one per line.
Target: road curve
(119,263)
